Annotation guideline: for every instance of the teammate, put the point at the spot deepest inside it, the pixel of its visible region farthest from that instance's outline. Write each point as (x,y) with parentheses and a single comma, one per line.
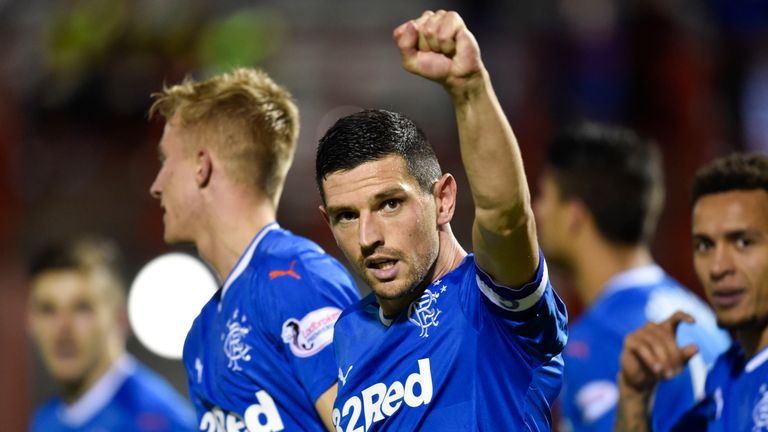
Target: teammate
(78,321)
(258,355)
(447,341)
(601,194)
(730,239)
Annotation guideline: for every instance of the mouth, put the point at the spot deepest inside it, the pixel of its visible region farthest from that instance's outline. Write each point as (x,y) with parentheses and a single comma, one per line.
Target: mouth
(382,268)
(726,298)
(65,350)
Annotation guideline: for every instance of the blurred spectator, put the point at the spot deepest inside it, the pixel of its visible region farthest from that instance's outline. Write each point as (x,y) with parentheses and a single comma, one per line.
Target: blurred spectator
(601,194)
(78,321)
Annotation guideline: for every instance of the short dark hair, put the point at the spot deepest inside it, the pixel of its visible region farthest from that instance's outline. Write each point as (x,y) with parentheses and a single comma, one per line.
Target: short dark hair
(737,171)
(84,254)
(372,135)
(615,173)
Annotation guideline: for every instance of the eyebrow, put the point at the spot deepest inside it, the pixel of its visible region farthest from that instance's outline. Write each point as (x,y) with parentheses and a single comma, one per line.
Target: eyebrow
(380,196)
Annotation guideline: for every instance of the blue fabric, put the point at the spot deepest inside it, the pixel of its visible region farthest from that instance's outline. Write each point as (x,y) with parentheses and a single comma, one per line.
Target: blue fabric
(455,360)
(590,394)
(143,403)
(260,356)
(737,395)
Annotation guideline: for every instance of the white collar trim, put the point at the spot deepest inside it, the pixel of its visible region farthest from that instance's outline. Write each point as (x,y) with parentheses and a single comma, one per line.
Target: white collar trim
(756,361)
(100,393)
(384,320)
(643,275)
(245,259)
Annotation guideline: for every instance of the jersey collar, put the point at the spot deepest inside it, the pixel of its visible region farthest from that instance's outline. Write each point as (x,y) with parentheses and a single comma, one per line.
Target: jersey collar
(242,263)
(650,274)
(100,393)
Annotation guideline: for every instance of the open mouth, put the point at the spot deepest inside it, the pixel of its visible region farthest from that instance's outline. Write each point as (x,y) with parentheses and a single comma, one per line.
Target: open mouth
(382,265)
(382,269)
(727,298)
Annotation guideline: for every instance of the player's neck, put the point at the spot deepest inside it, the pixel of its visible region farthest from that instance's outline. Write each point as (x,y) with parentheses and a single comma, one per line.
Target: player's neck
(752,339)
(600,261)
(230,229)
(449,256)
(74,390)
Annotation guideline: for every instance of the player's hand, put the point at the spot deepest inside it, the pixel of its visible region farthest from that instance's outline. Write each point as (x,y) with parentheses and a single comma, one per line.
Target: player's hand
(651,354)
(438,46)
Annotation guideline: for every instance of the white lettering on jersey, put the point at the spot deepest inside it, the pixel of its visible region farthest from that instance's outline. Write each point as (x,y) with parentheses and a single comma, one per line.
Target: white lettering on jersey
(380,401)
(259,417)
(424,313)
(263,416)
(308,336)
(596,398)
(234,341)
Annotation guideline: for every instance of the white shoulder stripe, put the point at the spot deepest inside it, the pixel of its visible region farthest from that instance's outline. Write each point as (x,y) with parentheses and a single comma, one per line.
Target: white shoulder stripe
(517,305)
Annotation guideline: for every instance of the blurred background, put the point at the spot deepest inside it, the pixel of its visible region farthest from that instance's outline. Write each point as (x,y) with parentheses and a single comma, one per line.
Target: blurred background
(77,153)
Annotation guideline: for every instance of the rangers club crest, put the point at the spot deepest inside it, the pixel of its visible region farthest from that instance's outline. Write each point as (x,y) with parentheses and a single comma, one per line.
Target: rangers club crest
(234,342)
(760,411)
(423,312)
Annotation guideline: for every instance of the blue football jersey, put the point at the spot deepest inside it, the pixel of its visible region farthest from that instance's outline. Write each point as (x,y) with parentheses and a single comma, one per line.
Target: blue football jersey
(127,398)
(737,395)
(258,355)
(469,355)
(630,299)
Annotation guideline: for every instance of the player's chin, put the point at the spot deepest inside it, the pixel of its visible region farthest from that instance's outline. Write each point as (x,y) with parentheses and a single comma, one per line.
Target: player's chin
(391,290)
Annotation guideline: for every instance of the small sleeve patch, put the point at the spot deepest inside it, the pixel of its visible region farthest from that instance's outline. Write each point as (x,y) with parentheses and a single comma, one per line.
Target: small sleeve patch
(310,334)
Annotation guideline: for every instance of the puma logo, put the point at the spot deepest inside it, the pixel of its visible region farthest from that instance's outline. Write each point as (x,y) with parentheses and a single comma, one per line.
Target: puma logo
(274,274)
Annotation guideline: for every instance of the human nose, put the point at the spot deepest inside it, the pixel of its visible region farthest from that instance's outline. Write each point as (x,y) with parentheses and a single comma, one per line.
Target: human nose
(722,262)
(154,189)
(370,235)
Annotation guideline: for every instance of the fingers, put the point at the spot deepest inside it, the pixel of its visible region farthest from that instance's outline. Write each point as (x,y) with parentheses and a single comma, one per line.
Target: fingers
(651,353)
(437,31)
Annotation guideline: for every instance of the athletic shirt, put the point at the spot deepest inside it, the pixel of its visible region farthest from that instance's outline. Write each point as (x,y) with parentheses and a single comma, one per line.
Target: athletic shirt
(630,299)
(737,395)
(259,354)
(127,398)
(469,355)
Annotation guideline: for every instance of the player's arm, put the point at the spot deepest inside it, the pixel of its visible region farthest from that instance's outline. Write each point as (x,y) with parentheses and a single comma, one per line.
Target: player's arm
(438,46)
(650,354)
(324,406)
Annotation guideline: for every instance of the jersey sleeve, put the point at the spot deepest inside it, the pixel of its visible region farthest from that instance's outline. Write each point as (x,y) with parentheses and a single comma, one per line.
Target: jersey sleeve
(313,292)
(533,312)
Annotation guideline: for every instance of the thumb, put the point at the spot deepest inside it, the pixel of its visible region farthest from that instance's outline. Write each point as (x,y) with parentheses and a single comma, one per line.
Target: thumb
(689,351)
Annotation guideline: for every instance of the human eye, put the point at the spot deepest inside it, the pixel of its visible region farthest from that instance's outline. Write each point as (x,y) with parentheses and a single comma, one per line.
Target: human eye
(701,244)
(743,242)
(391,205)
(344,217)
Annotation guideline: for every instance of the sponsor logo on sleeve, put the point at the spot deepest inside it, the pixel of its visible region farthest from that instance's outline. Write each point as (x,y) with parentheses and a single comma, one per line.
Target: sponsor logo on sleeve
(597,398)
(307,336)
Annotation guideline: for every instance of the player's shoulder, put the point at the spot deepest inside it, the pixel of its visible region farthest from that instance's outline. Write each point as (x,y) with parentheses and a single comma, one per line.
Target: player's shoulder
(45,416)
(286,259)
(146,391)
(359,314)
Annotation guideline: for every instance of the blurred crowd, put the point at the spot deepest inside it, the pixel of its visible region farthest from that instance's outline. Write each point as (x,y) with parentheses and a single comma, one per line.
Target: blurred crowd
(76,75)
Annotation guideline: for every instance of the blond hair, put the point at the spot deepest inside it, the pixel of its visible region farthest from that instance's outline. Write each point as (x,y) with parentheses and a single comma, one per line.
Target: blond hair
(248,120)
